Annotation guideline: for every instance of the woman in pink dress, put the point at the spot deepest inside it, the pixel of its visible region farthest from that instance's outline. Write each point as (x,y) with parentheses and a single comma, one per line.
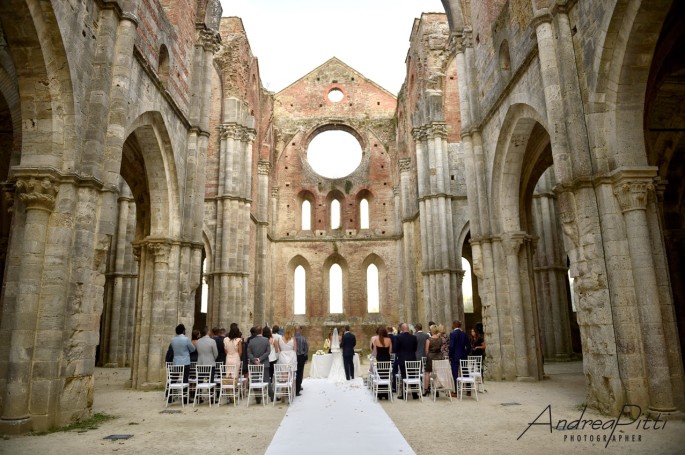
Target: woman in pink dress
(234,347)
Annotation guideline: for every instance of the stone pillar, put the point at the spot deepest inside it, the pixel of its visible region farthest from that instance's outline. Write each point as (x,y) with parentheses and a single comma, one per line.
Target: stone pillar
(512,243)
(159,330)
(262,246)
(632,189)
(409,303)
(38,197)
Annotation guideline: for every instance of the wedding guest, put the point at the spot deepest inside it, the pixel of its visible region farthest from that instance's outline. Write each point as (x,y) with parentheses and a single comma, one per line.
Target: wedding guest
(421,338)
(478,345)
(207,351)
(372,342)
(273,352)
(445,342)
(194,336)
(258,354)
(182,348)
(218,337)
(302,353)
(383,347)
(233,347)
(405,350)
(434,352)
(459,349)
(287,349)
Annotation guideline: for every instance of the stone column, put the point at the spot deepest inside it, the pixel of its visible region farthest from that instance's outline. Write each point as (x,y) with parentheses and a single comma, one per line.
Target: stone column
(38,197)
(409,303)
(512,243)
(159,330)
(632,189)
(261,259)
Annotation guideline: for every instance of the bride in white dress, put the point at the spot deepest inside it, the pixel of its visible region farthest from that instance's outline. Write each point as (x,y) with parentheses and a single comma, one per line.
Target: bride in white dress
(337,373)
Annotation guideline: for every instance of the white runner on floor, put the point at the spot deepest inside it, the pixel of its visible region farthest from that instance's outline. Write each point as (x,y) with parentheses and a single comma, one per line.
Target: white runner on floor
(331,419)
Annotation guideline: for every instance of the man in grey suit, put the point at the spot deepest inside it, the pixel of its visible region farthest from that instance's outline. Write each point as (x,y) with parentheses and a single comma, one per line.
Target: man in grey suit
(421,338)
(258,354)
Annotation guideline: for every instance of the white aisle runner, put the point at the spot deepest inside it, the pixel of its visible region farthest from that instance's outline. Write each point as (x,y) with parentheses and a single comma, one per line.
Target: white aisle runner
(332,419)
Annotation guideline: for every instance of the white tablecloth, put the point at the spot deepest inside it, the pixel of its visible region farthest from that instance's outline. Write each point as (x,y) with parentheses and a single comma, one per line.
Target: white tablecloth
(321,366)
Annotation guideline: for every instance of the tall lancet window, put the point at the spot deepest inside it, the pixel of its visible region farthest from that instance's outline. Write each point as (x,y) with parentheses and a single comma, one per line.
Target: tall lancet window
(372,293)
(335,282)
(306,216)
(300,294)
(364,214)
(335,214)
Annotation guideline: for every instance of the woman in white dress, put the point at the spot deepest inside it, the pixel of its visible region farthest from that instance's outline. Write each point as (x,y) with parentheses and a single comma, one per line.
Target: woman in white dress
(337,373)
(287,347)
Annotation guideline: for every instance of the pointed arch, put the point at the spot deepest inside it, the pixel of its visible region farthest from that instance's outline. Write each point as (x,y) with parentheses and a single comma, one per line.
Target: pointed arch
(377,290)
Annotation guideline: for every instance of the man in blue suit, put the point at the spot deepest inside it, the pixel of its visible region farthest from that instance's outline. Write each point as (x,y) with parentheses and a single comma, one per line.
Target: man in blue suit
(459,348)
(347,344)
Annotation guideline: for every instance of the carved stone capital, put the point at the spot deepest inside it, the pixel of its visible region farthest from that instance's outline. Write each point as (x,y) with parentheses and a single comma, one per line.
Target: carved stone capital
(405,165)
(264,167)
(37,193)
(7,190)
(160,251)
(512,243)
(436,129)
(419,133)
(237,132)
(633,195)
(396,190)
(274,192)
(209,40)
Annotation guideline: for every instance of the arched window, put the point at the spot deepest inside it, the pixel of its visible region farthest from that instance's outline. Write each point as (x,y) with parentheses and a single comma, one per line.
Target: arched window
(372,294)
(300,293)
(335,282)
(364,214)
(466,288)
(306,215)
(335,214)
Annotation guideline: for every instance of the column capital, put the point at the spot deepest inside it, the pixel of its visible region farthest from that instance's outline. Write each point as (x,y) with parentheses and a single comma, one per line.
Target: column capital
(633,186)
(209,40)
(37,193)
(160,250)
(512,242)
(419,133)
(436,129)
(405,165)
(237,132)
(264,167)
(274,191)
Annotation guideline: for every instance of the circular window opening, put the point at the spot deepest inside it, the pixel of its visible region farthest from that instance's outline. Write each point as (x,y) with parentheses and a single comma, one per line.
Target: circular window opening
(336,95)
(334,154)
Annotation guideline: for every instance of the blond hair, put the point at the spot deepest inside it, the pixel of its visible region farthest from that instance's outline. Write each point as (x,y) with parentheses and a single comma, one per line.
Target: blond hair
(289,332)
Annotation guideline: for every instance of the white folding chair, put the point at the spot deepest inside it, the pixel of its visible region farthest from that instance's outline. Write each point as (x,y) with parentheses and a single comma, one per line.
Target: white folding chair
(283,382)
(257,384)
(441,379)
(205,384)
(229,385)
(166,385)
(217,371)
(465,381)
(371,373)
(192,378)
(413,382)
(476,371)
(382,379)
(177,388)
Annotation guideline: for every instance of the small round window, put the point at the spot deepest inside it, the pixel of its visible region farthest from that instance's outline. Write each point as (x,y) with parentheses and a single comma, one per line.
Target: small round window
(334,154)
(335,95)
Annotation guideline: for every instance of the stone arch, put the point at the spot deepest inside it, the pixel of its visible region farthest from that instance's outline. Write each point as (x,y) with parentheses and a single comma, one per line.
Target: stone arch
(148,140)
(628,52)
(508,165)
(302,196)
(364,194)
(330,197)
(455,15)
(164,64)
(35,44)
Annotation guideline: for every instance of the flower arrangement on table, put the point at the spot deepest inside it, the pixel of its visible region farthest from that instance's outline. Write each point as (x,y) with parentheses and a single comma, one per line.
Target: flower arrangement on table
(326,344)
(319,352)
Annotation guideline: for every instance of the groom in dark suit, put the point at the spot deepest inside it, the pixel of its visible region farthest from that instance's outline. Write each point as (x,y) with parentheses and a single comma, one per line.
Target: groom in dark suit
(347,344)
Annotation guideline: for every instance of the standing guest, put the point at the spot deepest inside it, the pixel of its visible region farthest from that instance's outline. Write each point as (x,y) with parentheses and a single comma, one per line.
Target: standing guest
(194,336)
(182,348)
(405,350)
(258,354)
(383,349)
(347,344)
(233,347)
(421,338)
(276,333)
(434,352)
(445,349)
(478,345)
(372,342)
(287,349)
(218,337)
(273,352)
(302,352)
(458,350)
(207,351)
